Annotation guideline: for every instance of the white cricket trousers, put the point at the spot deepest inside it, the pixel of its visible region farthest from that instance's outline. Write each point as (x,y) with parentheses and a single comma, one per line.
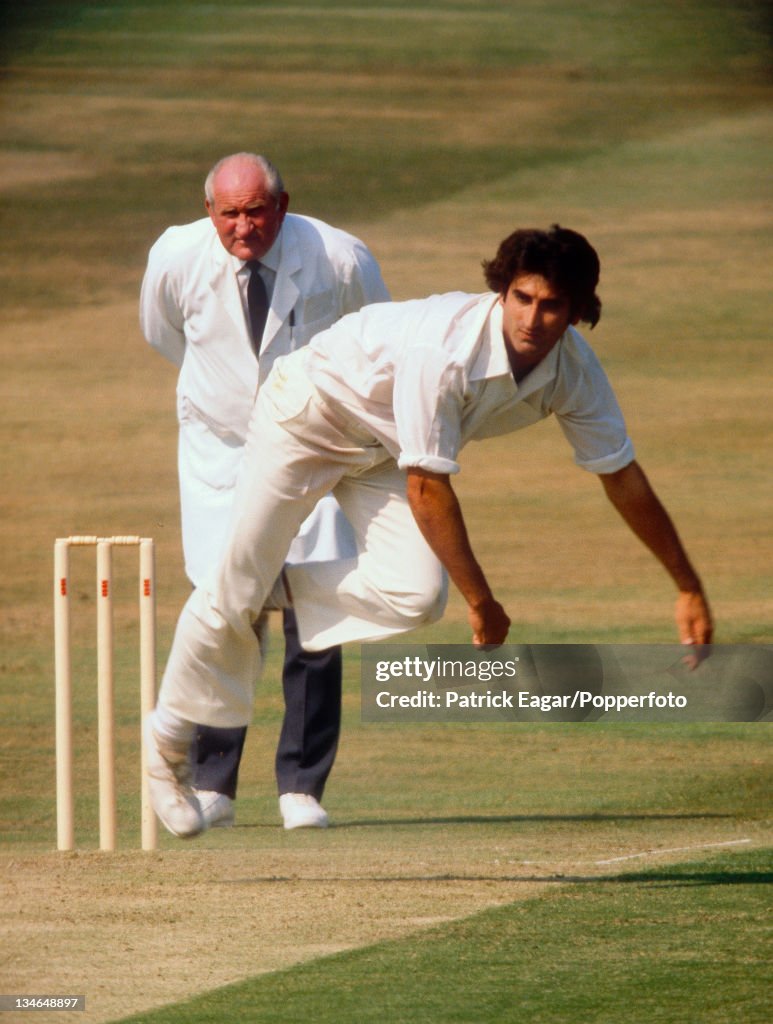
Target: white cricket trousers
(300,448)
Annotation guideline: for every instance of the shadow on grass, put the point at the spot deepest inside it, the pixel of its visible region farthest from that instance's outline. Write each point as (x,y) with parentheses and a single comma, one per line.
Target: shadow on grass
(501,819)
(676,878)
(659,879)
(507,819)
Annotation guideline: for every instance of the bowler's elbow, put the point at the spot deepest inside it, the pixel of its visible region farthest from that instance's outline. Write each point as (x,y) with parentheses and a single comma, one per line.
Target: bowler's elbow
(629,479)
(424,490)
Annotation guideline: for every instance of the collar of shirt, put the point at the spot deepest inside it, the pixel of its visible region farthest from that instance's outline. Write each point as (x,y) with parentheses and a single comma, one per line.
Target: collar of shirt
(268,262)
(271,260)
(269,266)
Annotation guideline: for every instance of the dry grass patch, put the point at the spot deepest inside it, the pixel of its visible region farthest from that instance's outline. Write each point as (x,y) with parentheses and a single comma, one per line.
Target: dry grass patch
(38,168)
(137,931)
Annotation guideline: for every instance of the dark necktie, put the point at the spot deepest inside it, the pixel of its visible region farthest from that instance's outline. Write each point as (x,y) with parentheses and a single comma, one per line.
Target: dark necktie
(257,304)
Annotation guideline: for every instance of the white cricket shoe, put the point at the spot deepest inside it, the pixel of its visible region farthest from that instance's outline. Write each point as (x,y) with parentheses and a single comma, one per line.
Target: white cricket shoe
(169,777)
(217,808)
(300,810)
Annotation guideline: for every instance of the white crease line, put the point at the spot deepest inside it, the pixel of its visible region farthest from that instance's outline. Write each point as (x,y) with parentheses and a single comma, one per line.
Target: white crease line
(674,849)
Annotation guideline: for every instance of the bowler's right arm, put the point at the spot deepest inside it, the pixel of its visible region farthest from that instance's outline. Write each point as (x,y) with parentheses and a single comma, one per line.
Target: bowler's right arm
(438,515)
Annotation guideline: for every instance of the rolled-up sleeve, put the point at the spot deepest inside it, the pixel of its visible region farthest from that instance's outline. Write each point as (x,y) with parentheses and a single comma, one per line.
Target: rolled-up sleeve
(428,403)
(609,463)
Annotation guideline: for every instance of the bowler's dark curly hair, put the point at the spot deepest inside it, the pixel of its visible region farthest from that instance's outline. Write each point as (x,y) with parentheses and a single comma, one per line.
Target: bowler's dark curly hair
(565,258)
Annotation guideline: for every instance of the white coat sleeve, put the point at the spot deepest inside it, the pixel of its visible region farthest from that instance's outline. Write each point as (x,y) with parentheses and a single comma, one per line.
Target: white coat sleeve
(161,316)
(361,282)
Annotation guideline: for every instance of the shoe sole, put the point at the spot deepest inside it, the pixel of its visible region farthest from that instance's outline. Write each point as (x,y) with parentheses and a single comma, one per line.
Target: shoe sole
(306,824)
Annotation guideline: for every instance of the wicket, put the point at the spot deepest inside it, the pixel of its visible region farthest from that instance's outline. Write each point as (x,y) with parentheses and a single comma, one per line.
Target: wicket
(65,800)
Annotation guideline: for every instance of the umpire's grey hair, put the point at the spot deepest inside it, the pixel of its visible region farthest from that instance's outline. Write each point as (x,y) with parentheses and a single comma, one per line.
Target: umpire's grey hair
(272,175)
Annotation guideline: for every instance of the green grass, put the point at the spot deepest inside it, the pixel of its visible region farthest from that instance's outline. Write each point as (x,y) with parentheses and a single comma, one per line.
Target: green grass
(366,109)
(657,35)
(611,779)
(685,943)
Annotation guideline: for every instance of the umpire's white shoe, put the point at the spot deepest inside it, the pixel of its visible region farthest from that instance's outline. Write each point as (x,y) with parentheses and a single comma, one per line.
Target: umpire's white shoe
(217,808)
(300,810)
(169,777)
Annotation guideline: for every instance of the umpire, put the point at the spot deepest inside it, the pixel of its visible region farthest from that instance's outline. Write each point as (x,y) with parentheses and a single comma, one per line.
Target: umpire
(222,298)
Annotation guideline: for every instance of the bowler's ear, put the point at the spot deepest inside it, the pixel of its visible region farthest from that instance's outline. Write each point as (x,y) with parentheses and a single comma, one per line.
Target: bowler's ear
(283,201)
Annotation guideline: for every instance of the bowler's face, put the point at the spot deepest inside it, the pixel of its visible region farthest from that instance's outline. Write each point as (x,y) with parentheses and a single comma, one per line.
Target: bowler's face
(247,217)
(535,315)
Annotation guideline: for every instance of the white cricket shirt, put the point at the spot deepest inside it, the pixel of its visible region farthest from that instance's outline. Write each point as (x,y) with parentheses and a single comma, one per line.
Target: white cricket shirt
(426,376)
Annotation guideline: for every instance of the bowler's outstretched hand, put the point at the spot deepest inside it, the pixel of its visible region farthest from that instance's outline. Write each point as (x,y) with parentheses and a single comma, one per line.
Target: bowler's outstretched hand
(490,624)
(695,625)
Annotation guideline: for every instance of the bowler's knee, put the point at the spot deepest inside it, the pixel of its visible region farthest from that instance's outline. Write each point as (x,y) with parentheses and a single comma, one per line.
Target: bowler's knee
(420,606)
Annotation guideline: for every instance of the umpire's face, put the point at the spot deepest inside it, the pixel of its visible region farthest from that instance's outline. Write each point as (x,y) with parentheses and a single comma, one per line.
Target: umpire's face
(246,215)
(535,315)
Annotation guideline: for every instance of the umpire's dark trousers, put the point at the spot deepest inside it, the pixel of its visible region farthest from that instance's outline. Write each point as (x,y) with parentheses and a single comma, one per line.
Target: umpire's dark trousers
(310,730)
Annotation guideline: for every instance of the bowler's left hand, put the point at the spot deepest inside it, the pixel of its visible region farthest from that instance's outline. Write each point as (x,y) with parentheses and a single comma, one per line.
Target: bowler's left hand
(695,625)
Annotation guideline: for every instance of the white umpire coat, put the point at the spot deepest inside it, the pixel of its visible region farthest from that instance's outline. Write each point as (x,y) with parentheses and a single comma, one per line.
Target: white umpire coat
(191,312)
